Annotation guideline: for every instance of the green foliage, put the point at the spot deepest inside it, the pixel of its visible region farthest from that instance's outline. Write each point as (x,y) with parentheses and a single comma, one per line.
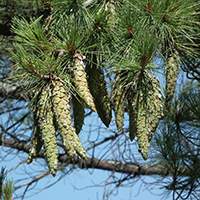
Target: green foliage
(25,8)
(6,189)
(177,141)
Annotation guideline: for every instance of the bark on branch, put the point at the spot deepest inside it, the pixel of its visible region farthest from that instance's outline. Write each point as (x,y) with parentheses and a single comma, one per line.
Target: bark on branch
(11,91)
(94,163)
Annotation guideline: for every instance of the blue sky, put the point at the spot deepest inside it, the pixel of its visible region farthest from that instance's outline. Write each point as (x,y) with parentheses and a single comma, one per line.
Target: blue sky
(64,189)
(79,183)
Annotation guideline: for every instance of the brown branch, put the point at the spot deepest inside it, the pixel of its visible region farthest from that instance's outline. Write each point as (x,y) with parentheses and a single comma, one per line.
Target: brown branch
(10,91)
(94,163)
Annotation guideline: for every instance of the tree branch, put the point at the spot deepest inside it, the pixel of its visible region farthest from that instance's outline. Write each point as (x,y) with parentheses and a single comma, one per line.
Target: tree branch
(11,91)
(94,163)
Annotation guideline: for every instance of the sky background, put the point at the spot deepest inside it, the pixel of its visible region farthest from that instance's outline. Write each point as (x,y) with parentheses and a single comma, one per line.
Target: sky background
(79,184)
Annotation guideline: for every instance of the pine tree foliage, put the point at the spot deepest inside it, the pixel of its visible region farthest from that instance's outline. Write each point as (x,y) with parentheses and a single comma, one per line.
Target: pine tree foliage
(6,190)
(80,45)
(178,143)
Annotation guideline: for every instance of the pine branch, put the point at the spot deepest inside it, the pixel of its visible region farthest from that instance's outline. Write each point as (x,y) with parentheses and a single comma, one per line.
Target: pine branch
(95,163)
(13,91)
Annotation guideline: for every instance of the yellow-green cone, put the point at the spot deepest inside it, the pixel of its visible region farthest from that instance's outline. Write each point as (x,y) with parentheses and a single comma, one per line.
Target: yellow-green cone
(142,132)
(155,108)
(103,103)
(36,145)
(78,146)
(132,112)
(98,89)
(36,142)
(48,131)
(119,102)
(67,132)
(80,81)
(148,110)
(171,75)
(79,114)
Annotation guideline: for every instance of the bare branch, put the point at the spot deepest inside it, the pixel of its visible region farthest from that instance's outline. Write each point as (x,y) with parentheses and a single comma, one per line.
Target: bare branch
(11,91)
(33,180)
(94,163)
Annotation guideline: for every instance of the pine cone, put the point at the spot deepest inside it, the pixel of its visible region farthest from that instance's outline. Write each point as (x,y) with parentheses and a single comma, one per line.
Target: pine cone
(142,132)
(36,145)
(67,132)
(132,112)
(48,131)
(148,108)
(98,89)
(119,102)
(171,75)
(155,108)
(36,142)
(80,81)
(79,113)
